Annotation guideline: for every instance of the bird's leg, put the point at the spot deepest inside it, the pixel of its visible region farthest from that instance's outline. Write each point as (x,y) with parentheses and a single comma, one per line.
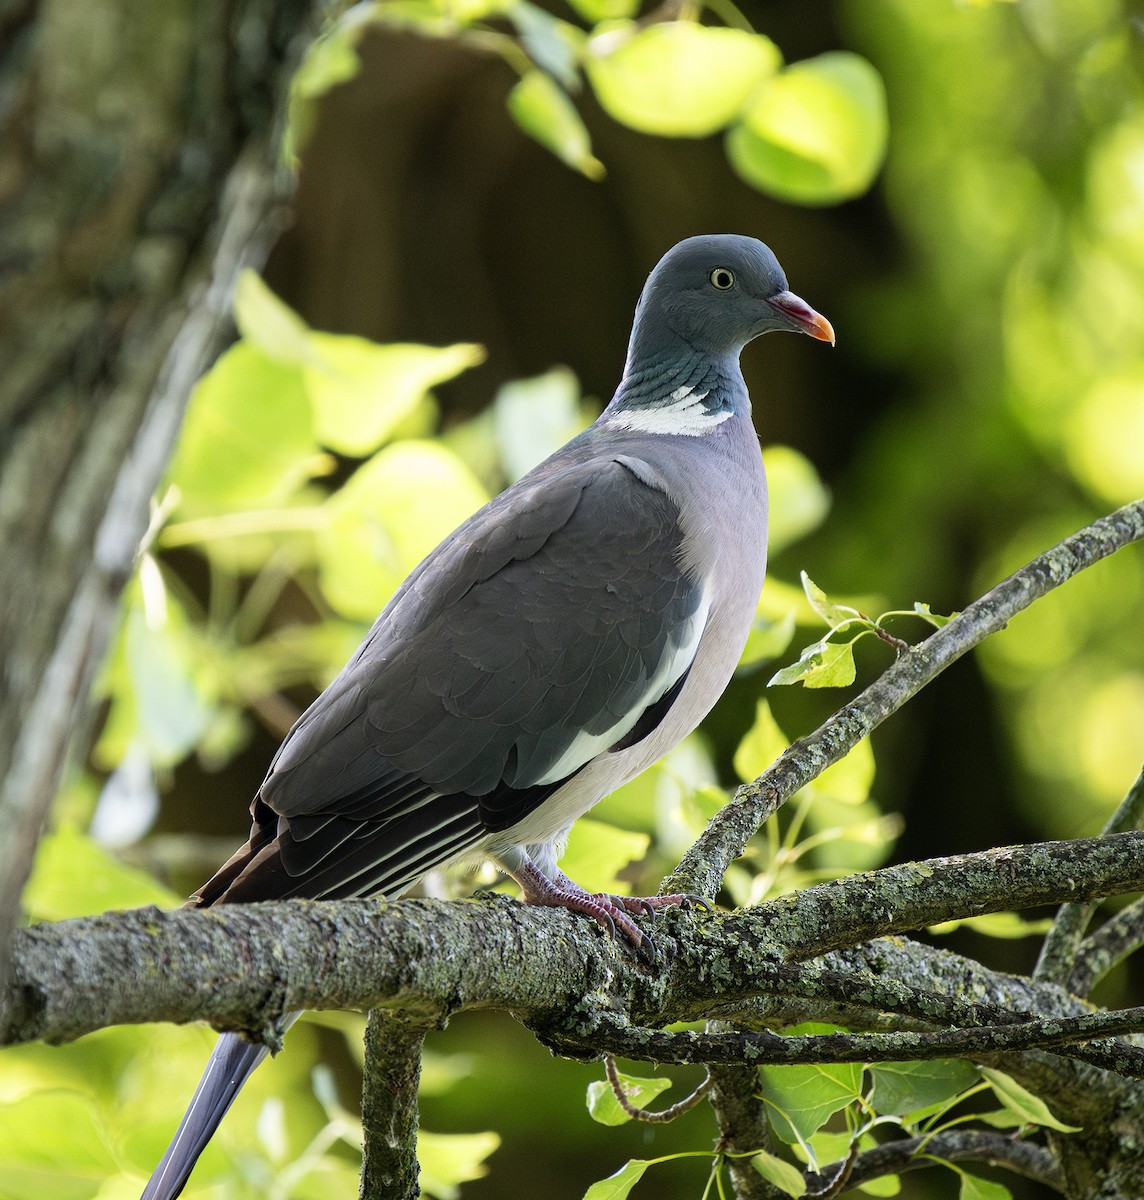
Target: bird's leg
(562,892)
(554,889)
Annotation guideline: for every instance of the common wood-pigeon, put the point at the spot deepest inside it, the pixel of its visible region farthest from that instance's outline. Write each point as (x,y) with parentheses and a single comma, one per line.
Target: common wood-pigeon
(564,638)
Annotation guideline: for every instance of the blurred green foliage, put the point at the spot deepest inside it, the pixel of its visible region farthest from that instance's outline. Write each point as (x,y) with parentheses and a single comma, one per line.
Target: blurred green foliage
(1013,179)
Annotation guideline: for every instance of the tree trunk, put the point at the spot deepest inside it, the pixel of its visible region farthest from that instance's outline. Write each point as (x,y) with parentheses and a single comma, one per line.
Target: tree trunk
(139,171)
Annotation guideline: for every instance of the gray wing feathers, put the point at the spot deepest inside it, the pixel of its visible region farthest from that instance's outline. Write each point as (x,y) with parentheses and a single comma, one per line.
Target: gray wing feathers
(511,641)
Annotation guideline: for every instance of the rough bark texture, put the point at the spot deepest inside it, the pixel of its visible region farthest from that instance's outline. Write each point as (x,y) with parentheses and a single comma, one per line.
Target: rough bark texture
(138,173)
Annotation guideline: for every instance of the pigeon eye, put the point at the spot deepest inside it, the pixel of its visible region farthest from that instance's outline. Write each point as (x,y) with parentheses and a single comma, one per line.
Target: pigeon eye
(723,279)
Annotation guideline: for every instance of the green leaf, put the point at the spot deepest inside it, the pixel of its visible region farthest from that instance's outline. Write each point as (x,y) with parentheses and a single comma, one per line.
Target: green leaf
(974,1188)
(387,517)
(605,10)
(906,1087)
(824,664)
(849,780)
(450,1159)
(248,439)
(543,110)
(598,852)
(53,1144)
(785,1176)
(267,322)
(677,78)
(801,1099)
(1019,1100)
(761,744)
(605,1108)
(815,133)
(935,619)
(361,390)
(1008,925)
(767,640)
(534,417)
(73,877)
(882,1185)
(832,614)
(619,1185)
(799,501)
(552,44)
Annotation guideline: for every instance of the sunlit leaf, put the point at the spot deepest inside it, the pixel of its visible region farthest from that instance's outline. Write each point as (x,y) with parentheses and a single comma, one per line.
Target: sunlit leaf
(815,133)
(972,1187)
(906,1087)
(785,1176)
(639,1091)
(53,1143)
(760,745)
(597,853)
(361,390)
(832,614)
(1019,1100)
(552,44)
(73,877)
(543,110)
(449,1159)
(823,664)
(677,78)
(1009,925)
(390,514)
(619,1185)
(534,417)
(248,438)
(767,640)
(935,619)
(268,323)
(849,780)
(605,10)
(799,501)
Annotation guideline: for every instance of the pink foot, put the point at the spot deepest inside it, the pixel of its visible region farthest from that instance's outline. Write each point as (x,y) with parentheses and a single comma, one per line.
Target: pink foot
(607,910)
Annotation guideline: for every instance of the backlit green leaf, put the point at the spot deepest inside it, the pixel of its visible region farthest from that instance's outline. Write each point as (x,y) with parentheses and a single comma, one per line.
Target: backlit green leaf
(823,664)
(619,1185)
(73,877)
(248,438)
(267,322)
(677,78)
(798,499)
(815,133)
(450,1159)
(387,517)
(361,390)
(785,1176)
(760,746)
(543,110)
(1019,1100)
(605,1108)
(972,1187)
(598,852)
(534,417)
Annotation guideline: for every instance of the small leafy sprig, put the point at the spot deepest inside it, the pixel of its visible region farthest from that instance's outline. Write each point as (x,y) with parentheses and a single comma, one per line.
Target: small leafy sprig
(829,662)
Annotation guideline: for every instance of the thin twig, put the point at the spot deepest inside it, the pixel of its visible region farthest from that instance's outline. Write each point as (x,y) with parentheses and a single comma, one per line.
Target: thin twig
(664,1115)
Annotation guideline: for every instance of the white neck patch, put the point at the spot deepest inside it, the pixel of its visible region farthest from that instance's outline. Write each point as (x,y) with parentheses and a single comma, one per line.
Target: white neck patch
(684,414)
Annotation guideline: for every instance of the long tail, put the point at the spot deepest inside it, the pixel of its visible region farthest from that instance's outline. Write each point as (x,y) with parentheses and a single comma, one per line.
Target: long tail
(229,1067)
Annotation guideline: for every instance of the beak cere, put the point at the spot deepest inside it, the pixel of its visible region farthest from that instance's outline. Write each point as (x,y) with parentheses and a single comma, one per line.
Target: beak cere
(802,316)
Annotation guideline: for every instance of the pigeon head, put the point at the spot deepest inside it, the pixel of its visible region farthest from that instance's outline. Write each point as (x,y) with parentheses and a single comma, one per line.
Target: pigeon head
(713,294)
